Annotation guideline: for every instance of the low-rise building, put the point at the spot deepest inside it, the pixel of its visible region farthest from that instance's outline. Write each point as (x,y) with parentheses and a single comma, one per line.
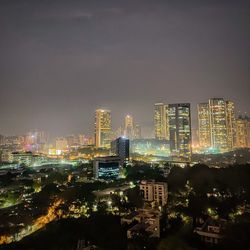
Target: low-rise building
(145,220)
(107,167)
(211,231)
(22,157)
(156,192)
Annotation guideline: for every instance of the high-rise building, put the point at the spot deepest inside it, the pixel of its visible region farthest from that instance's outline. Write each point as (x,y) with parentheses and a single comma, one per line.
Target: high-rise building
(102,128)
(230,118)
(242,128)
(204,126)
(137,131)
(216,121)
(120,147)
(129,127)
(1,139)
(85,140)
(61,145)
(161,121)
(180,137)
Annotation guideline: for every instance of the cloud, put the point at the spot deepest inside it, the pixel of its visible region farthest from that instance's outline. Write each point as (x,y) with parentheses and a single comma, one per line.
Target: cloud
(64,14)
(76,13)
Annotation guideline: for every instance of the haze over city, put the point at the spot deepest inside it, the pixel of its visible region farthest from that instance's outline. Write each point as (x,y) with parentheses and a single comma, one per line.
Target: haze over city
(61,60)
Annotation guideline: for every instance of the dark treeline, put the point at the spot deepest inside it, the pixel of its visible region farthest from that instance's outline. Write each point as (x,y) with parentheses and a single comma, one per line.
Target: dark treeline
(230,180)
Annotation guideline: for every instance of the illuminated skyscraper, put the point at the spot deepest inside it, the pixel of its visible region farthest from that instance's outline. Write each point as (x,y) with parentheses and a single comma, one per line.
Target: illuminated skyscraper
(137,131)
(216,121)
(102,128)
(61,145)
(204,126)
(129,127)
(242,139)
(179,117)
(222,122)
(230,118)
(161,121)
(218,124)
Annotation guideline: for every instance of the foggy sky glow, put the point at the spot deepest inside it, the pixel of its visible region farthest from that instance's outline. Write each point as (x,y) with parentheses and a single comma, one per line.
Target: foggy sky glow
(60,60)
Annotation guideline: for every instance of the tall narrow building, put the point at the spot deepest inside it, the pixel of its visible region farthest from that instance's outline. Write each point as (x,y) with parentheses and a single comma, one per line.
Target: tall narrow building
(179,117)
(204,130)
(129,127)
(102,128)
(120,147)
(137,131)
(230,118)
(218,124)
(216,120)
(242,128)
(161,121)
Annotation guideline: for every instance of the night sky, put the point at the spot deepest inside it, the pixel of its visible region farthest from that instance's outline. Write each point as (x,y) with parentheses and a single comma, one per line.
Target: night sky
(60,60)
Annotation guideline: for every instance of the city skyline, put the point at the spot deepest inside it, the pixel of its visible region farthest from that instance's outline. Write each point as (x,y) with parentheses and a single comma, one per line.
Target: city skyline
(124,124)
(60,62)
(118,128)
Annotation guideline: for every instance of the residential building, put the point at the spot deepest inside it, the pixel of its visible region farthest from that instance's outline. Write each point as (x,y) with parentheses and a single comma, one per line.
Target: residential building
(242,128)
(161,121)
(204,126)
(230,118)
(143,220)
(156,192)
(211,231)
(216,120)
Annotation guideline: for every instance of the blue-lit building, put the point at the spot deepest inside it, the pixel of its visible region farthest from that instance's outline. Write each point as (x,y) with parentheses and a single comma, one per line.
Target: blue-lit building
(107,167)
(120,148)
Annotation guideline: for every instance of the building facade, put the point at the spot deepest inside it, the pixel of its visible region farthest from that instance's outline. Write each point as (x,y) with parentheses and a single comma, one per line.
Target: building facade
(242,138)
(107,167)
(154,192)
(204,126)
(179,118)
(216,120)
(22,158)
(161,121)
(120,148)
(230,118)
(129,127)
(102,128)
(137,131)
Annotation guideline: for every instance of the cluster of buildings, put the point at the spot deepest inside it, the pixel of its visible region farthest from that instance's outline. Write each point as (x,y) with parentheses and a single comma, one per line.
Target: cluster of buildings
(35,141)
(148,219)
(103,128)
(172,122)
(110,167)
(219,129)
